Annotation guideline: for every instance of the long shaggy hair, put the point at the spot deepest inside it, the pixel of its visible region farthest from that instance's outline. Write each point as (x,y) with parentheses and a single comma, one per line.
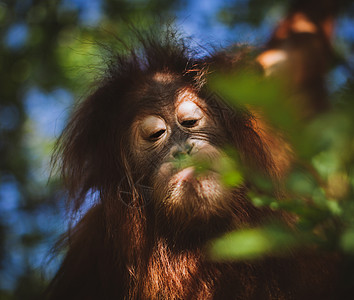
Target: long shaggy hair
(119,249)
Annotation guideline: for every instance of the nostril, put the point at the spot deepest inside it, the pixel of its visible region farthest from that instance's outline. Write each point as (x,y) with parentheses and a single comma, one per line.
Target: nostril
(179,155)
(179,152)
(189,148)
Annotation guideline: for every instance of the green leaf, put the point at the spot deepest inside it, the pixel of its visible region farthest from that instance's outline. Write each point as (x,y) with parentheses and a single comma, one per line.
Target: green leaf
(347,241)
(252,243)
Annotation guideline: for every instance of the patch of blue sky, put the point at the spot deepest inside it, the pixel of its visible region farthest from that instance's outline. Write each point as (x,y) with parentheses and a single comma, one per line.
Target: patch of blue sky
(19,222)
(344,38)
(45,221)
(43,259)
(9,117)
(91,198)
(9,196)
(337,78)
(16,36)
(40,257)
(345,28)
(90,12)
(15,260)
(50,220)
(199,20)
(13,266)
(48,111)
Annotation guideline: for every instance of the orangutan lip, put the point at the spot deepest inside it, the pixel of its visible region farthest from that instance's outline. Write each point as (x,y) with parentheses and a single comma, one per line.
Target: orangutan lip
(191,177)
(186,174)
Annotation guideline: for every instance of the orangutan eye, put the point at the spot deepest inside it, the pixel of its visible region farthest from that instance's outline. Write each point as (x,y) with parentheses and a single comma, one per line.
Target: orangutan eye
(189,123)
(153,128)
(157,134)
(189,114)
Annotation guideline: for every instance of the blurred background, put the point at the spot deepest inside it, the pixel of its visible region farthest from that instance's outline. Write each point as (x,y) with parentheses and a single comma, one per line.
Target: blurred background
(48,59)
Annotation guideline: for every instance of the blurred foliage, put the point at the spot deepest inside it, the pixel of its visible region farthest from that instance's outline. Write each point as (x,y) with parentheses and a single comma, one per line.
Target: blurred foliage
(48,55)
(227,165)
(319,188)
(253,243)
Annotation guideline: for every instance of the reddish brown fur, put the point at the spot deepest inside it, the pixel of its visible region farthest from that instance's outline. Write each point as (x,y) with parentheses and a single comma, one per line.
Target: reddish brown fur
(116,251)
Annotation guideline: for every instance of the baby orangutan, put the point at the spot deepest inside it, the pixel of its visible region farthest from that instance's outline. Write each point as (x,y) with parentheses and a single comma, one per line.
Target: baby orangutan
(145,236)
